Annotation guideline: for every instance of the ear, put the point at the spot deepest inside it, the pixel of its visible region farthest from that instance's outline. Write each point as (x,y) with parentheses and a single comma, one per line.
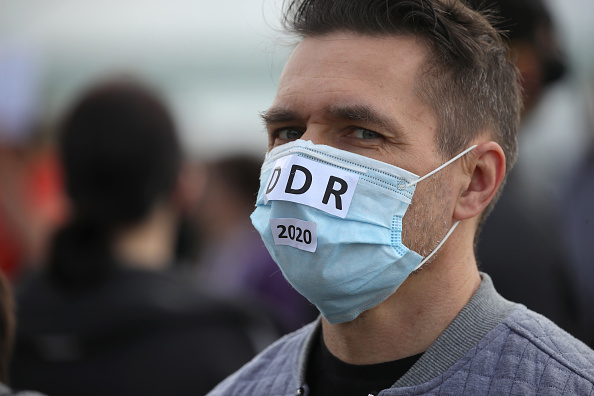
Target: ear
(484,172)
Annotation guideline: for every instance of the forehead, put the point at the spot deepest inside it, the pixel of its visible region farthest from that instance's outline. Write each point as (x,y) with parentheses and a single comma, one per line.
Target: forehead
(348,53)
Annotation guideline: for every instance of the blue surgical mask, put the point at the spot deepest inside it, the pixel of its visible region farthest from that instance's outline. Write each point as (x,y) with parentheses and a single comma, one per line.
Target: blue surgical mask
(332,221)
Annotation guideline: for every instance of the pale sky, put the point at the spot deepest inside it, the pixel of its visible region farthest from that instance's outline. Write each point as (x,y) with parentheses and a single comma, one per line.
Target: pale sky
(216,62)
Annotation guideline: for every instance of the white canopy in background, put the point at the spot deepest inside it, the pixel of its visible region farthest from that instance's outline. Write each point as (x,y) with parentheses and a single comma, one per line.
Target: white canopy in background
(216,62)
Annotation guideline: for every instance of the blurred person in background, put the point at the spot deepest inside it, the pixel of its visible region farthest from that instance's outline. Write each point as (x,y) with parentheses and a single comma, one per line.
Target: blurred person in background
(7,337)
(31,202)
(520,244)
(577,211)
(233,260)
(107,316)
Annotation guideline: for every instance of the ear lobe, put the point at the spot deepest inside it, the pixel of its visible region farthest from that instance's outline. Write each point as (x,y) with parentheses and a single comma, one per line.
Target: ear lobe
(486,166)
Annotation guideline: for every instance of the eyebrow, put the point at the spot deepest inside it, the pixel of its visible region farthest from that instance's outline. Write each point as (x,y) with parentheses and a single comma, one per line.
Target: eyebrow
(278,115)
(365,114)
(361,113)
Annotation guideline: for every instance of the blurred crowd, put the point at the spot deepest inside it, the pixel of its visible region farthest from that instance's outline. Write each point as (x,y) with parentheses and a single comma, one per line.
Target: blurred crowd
(135,268)
(144,275)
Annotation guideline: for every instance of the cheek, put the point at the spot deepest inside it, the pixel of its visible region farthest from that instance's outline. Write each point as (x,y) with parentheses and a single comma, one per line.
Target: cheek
(428,217)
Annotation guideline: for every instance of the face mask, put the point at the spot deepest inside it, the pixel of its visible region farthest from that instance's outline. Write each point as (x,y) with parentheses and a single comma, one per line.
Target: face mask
(332,221)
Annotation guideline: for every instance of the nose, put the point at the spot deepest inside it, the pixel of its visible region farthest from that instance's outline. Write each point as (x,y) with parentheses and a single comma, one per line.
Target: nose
(318,134)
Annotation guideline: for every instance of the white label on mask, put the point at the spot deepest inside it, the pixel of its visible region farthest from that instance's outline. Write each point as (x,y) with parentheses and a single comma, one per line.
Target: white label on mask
(300,180)
(296,233)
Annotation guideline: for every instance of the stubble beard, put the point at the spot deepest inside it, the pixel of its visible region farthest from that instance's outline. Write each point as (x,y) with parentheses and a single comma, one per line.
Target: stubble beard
(426,221)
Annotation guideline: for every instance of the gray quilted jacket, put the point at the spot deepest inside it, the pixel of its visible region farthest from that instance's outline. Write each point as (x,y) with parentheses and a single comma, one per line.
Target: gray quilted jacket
(493,347)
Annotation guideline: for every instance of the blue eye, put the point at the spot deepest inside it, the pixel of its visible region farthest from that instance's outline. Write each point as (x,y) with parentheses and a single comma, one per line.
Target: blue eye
(289,134)
(362,133)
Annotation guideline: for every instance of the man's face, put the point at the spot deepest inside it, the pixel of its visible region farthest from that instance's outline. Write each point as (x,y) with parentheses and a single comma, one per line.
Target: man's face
(357,93)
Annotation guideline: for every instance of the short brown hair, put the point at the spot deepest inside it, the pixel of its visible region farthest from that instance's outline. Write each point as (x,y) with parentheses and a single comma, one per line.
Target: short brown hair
(469,80)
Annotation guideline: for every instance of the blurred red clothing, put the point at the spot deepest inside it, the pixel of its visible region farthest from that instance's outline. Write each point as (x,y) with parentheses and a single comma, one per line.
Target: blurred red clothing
(34,205)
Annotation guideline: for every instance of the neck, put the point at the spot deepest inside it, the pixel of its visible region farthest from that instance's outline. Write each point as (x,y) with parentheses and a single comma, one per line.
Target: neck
(410,320)
(150,243)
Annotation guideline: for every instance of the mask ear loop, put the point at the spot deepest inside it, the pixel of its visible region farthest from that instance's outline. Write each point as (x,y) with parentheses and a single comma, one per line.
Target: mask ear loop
(469,149)
(445,238)
(438,246)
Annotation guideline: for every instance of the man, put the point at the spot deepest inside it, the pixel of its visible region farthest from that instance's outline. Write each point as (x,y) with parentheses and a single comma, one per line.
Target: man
(376,93)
